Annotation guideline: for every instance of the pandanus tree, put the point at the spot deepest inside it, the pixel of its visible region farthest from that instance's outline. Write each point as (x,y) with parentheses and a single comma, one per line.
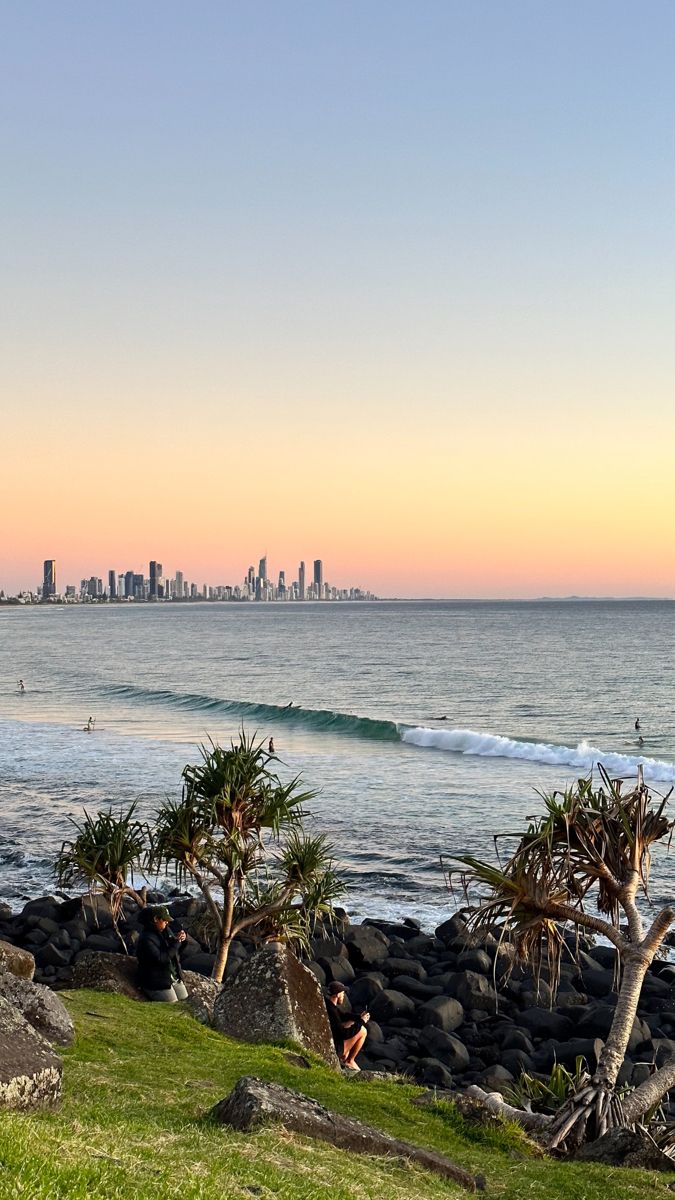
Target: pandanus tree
(233,811)
(102,856)
(582,866)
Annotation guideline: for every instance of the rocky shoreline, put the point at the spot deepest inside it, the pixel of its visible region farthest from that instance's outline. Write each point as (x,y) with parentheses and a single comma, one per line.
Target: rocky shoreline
(445,1011)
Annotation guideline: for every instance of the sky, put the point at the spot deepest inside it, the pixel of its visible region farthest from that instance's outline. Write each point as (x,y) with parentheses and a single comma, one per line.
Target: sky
(389,284)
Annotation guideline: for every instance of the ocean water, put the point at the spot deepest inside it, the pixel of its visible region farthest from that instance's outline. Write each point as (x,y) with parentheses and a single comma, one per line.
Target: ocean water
(427,727)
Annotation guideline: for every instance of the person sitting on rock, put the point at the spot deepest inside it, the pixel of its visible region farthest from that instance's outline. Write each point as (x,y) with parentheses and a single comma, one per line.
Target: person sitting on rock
(159,970)
(348,1029)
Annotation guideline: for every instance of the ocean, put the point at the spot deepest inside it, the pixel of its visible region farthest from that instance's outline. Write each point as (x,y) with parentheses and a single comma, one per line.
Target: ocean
(427,727)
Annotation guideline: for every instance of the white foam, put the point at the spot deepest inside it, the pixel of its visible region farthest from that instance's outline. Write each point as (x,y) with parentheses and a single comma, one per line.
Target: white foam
(583,757)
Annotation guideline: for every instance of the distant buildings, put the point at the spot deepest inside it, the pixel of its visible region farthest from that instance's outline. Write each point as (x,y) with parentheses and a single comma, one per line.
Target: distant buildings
(49,579)
(132,586)
(156,586)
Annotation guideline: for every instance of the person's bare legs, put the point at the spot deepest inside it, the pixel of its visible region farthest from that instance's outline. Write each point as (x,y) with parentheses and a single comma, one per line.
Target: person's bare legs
(353,1046)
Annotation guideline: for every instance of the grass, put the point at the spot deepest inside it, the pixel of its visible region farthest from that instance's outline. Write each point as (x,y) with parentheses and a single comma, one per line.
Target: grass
(139,1082)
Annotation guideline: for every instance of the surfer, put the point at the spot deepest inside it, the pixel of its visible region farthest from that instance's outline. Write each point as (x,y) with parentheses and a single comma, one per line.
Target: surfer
(637,724)
(22,686)
(641,741)
(270,748)
(290,704)
(90,726)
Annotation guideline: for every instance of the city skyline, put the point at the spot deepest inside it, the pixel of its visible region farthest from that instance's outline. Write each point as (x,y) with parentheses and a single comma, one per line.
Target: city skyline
(132,585)
(393,282)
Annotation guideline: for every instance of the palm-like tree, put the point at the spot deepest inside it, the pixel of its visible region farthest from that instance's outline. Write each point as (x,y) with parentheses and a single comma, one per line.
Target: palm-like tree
(102,856)
(217,836)
(592,844)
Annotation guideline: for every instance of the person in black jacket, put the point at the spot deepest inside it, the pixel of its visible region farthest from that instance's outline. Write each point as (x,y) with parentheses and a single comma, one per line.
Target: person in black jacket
(157,951)
(348,1029)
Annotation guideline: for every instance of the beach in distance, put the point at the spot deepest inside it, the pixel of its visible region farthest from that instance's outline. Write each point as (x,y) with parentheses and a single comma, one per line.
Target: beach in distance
(426,727)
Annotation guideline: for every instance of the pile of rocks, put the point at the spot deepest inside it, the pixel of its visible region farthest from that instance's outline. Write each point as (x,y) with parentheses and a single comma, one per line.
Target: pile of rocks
(450,1012)
(444,1010)
(32,1021)
(57,930)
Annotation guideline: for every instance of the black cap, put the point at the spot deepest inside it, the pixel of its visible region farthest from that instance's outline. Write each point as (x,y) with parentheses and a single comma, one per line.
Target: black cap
(335,988)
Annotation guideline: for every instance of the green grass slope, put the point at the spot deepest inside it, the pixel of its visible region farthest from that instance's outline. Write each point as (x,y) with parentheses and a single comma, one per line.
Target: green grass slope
(139,1082)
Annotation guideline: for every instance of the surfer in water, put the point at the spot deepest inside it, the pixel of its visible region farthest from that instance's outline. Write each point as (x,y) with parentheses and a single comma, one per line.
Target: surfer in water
(21,686)
(641,741)
(637,724)
(270,748)
(90,726)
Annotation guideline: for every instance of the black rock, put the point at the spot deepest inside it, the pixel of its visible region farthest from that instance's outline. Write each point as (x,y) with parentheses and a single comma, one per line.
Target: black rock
(405,931)
(405,966)
(432,1073)
(338,969)
(318,971)
(473,991)
(366,946)
(445,1012)
(475,960)
(50,956)
(450,1050)
(546,1024)
(202,963)
(517,1039)
(413,987)
(388,1005)
(363,991)
(515,1061)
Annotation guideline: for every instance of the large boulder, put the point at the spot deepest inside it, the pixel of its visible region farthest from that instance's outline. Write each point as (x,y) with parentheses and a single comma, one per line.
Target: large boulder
(445,1012)
(18,962)
(366,946)
(202,994)
(439,1044)
(107,973)
(30,1071)
(253,1104)
(274,998)
(40,1006)
(390,1005)
(473,991)
(626,1148)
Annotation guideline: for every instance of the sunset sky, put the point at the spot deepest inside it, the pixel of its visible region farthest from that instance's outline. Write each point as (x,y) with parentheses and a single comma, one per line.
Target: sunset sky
(389,284)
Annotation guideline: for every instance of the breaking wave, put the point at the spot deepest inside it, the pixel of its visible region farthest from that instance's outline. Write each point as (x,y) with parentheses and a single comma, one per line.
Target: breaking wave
(583,757)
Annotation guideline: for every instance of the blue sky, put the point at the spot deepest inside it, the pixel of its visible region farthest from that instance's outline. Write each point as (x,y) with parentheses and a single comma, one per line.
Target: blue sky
(364,212)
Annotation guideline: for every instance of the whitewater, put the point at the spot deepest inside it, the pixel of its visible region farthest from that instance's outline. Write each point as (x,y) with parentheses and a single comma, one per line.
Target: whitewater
(425,728)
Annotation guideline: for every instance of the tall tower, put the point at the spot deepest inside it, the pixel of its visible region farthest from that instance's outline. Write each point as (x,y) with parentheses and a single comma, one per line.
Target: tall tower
(301,581)
(156,589)
(318,578)
(48,578)
(262,569)
(112,585)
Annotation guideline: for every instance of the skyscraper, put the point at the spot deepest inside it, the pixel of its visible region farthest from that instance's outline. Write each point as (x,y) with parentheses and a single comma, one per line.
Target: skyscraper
(49,578)
(318,578)
(262,569)
(156,588)
(301,581)
(112,585)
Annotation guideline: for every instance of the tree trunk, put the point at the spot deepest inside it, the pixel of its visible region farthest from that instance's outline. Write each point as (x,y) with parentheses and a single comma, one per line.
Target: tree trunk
(649,1093)
(635,966)
(225,940)
(595,1107)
